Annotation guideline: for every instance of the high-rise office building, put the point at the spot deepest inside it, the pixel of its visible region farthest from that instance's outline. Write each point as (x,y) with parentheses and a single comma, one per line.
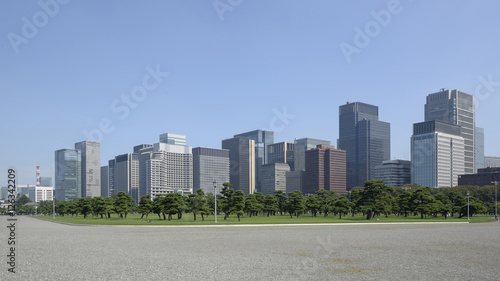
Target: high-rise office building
(295,180)
(325,169)
(209,165)
(105,181)
(91,167)
(455,107)
(173,139)
(274,177)
(46,181)
(299,151)
(169,169)
(111,177)
(437,154)
(281,152)
(394,172)
(145,152)
(479,148)
(491,162)
(262,139)
(126,175)
(365,139)
(68,174)
(242,163)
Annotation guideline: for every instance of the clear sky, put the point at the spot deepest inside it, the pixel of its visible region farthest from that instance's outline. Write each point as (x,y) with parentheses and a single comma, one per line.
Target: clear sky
(233,66)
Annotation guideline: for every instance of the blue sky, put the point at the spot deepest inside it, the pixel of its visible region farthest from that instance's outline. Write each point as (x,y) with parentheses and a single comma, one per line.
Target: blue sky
(66,69)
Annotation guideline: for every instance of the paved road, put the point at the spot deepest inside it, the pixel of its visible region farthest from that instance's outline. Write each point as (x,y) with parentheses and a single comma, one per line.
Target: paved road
(51,251)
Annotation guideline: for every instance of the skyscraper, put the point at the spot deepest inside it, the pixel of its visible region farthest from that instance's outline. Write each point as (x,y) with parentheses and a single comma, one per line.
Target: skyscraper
(242,163)
(105,181)
(46,181)
(325,169)
(455,107)
(365,139)
(169,169)
(91,167)
(209,165)
(479,148)
(281,152)
(145,152)
(68,172)
(299,151)
(274,177)
(111,177)
(437,154)
(126,175)
(262,139)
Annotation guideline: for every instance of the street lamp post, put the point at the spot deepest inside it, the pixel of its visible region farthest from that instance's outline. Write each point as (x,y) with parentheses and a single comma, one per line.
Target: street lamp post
(53,204)
(467,205)
(215,197)
(496,204)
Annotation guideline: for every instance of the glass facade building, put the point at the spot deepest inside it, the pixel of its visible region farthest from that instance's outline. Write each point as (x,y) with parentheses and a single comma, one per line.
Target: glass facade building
(105,181)
(274,177)
(126,175)
(173,139)
(394,173)
(282,152)
(68,172)
(479,148)
(365,139)
(299,150)
(262,139)
(242,163)
(209,165)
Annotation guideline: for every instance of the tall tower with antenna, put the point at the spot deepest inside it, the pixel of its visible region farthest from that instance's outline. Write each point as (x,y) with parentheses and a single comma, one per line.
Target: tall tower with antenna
(37,176)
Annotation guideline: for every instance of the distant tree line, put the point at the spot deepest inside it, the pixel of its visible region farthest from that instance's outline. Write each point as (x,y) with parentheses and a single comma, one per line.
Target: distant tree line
(372,200)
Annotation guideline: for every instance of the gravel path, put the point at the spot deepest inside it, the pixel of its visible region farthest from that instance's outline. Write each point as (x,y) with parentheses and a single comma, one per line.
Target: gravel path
(51,251)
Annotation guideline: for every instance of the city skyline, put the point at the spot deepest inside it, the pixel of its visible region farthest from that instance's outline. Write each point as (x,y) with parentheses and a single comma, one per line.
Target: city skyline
(274,66)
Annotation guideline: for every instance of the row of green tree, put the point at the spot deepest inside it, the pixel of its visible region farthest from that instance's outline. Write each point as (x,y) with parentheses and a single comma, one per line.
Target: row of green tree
(374,199)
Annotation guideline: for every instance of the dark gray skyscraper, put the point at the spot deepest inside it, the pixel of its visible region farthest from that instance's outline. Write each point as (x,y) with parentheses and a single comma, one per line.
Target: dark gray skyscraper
(68,174)
(242,163)
(455,107)
(209,165)
(262,139)
(365,139)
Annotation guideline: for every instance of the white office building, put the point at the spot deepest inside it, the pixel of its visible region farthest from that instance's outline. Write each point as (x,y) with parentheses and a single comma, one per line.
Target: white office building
(437,154)
(40,193)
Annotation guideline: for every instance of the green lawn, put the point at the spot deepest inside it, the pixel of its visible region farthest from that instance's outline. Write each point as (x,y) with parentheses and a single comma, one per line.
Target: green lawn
(187,219)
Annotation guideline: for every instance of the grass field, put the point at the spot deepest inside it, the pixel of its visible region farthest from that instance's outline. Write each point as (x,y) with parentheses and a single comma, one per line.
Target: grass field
(187,219)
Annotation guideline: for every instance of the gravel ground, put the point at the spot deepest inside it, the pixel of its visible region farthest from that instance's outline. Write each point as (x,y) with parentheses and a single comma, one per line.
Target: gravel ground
(52,251)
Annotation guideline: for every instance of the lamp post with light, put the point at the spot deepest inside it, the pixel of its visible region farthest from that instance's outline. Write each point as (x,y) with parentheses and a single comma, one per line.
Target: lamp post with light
(467,205)
(215,196)
(496,204)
